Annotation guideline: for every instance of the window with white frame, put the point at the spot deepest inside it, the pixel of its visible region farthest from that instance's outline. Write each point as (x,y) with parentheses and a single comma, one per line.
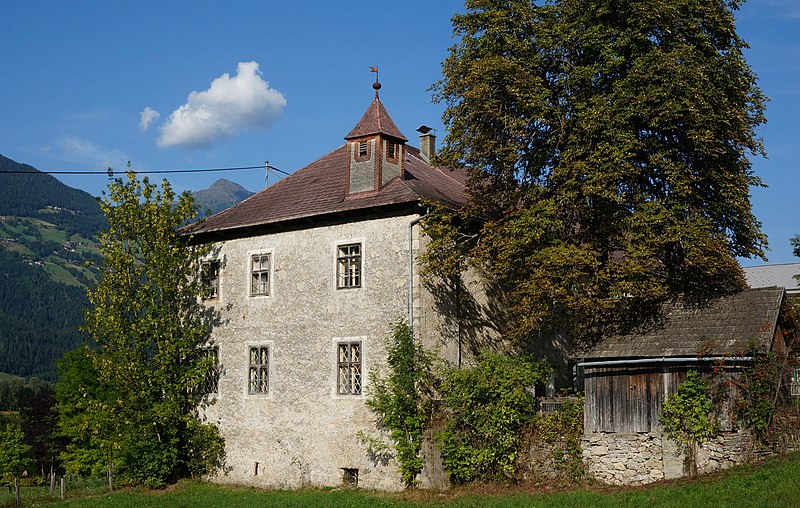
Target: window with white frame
(348,266)
(209,277)
(260,265)
(258,371)
(349,367)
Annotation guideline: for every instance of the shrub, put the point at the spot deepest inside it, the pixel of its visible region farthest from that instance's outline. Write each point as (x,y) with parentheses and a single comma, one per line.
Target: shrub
(486,408)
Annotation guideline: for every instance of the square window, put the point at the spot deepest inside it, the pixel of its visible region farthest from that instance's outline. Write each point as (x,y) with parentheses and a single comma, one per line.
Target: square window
(210,383)
(259,274)
(209,277)
(348,266)
(349,368)
(259,370)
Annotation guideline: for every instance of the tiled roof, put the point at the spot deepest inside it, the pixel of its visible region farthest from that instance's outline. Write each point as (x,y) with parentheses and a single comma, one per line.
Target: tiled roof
(319,189)
(725,326)
(774,276)
(375,121)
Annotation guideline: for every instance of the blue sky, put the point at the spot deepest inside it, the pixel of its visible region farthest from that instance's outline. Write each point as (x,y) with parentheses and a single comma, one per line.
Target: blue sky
(182,85)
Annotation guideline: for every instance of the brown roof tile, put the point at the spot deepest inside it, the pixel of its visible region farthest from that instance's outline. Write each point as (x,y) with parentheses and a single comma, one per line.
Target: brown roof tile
(319,189)
(725,326)
(375,121)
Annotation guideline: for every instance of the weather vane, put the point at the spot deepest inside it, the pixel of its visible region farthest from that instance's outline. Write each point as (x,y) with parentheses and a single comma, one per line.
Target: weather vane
(376,85)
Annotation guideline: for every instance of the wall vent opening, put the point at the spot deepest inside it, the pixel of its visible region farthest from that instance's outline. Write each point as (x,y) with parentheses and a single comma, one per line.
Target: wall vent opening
(349,477)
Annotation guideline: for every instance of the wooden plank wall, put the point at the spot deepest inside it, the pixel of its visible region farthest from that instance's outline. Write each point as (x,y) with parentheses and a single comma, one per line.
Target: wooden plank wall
(628,399)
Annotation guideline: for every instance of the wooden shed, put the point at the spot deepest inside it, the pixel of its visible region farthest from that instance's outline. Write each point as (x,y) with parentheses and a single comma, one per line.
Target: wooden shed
(627,377)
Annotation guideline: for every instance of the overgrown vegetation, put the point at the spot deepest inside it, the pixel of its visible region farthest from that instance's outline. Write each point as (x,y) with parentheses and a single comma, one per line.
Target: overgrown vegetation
(689,417)
(484,413)
(762,391)
(560,432)
(486,408)
(402,399)
(128,403)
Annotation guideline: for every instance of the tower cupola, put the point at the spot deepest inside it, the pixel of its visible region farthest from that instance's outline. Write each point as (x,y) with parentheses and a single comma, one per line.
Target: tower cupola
(375,148)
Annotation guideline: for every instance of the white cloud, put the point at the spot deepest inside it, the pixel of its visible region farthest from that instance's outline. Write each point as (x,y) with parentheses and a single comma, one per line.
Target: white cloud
(229,104)
(146,117)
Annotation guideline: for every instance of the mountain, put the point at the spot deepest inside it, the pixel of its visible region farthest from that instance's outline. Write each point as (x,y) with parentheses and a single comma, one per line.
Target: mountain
(221,195)
(48,236)
(27,192)
(48,257)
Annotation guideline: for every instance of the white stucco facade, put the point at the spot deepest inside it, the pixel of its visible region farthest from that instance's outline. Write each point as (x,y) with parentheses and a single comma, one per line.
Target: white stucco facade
(301,432)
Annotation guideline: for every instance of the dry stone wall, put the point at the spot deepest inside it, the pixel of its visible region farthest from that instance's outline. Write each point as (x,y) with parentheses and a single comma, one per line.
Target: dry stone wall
(637,459)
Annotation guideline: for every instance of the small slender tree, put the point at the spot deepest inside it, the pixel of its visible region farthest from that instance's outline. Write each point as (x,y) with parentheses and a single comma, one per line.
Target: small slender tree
(147,327)
(401,399)
(14,453)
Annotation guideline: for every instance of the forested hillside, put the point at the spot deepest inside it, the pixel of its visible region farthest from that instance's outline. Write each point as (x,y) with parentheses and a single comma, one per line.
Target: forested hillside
(39,317)
(48,257)
(47,237)
(28,192)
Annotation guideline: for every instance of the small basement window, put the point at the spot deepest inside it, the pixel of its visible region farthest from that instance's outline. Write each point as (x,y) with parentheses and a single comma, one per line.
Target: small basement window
(349,477)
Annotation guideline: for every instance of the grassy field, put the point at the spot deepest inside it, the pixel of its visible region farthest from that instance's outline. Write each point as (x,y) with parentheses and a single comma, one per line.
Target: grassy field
(773,484)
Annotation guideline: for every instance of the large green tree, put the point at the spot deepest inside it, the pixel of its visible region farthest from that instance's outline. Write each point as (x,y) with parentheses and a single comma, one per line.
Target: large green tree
(134,408)
(609,145)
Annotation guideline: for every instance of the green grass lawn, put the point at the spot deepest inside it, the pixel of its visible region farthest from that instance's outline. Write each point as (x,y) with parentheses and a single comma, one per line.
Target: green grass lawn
(775,483)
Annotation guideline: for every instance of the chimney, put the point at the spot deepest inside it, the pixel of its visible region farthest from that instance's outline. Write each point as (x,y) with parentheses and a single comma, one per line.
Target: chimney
(427,142)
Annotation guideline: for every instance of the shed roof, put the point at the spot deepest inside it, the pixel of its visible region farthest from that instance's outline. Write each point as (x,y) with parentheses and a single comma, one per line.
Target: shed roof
(726,325)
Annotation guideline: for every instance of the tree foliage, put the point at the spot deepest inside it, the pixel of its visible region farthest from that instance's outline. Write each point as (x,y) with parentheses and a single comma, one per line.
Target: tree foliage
(132,406)
(14,453)
(608,144)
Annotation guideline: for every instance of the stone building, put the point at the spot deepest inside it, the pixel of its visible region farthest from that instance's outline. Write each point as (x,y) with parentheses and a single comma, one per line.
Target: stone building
(627,378)
(307,277)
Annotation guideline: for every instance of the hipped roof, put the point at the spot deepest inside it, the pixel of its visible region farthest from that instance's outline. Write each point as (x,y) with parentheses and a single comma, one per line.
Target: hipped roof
(727,325)
(375,121)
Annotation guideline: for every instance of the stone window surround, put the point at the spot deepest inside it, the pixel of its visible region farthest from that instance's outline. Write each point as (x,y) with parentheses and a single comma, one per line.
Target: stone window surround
(249,271)
(363,268)
(270,370)
(335,366)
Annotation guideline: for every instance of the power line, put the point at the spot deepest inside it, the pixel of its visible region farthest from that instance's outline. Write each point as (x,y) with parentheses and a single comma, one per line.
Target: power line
(154,172)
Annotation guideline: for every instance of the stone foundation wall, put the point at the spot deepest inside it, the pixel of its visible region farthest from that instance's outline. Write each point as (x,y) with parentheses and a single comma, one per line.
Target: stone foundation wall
(637,459)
